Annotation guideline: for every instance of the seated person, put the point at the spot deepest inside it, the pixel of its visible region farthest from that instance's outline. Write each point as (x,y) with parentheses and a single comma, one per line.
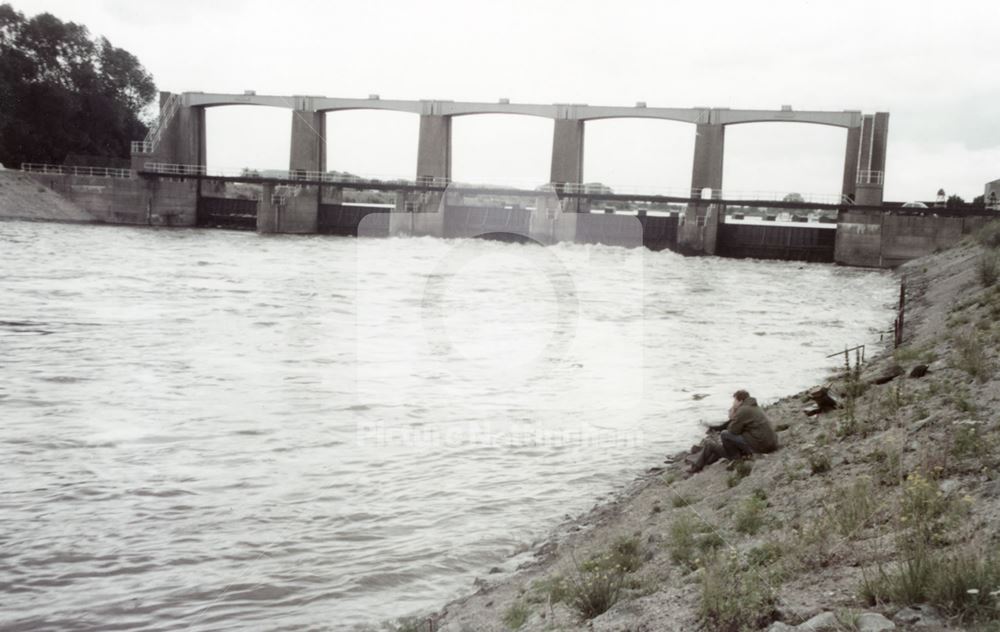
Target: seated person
(747,431)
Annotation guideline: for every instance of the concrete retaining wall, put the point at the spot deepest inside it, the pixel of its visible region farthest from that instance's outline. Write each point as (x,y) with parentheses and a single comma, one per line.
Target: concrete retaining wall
(23,197)
(160,202)
(884,240)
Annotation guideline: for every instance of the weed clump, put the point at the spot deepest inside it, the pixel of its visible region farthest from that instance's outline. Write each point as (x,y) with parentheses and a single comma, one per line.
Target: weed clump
(819,461)
(970,356)
(989,235)
(516,615)
(690,539)
(736,597)
(597,583)
(741,469)
(750,516)
(853,507)
(964,585)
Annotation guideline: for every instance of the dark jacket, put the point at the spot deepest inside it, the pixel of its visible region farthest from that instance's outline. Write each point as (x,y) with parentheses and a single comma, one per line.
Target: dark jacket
(751,423)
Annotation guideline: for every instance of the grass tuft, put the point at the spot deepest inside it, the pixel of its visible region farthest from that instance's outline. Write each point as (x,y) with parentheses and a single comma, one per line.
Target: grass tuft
(750,516)
(970,355)
(516,615)
(736,598)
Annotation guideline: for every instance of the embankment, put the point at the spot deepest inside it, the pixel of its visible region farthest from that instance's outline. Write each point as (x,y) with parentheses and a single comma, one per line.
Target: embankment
(881,514)
(22,197)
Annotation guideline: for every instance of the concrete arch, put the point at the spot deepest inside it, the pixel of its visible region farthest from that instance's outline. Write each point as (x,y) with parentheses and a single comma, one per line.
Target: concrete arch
(207,100)
(803,157)
(501,148)
(680,115)
(372,142)
(225,142)
(639,151)
(847,118)
(451,108)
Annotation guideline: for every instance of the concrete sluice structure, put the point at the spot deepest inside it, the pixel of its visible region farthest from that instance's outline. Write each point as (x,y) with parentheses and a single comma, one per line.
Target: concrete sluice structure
(169,185)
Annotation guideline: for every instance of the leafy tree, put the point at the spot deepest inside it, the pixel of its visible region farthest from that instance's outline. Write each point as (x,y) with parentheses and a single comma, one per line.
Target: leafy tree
(955,201)
(979,201)
(62,92)
(793,197)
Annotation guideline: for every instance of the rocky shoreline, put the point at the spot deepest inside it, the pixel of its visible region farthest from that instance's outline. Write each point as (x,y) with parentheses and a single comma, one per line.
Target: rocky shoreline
(883,514)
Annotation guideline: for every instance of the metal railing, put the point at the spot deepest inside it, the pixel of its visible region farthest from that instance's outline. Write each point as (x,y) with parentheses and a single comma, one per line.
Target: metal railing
(96,172)
(171,169)
(720,195)
(289,176)
(148,145)
(870,177)
(577,188)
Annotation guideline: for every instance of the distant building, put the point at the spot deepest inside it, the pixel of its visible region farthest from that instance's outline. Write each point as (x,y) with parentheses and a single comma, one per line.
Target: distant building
(992,195)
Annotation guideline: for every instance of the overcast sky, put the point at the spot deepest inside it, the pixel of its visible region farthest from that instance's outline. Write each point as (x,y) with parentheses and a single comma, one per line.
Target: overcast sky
(932,65)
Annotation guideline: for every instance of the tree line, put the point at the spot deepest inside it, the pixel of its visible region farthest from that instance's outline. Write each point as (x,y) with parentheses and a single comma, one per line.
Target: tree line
(64,93)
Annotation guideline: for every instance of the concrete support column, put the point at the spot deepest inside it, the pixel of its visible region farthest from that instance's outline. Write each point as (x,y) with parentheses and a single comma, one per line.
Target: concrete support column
(434,149)
(851,161)
(182,140)
(268,213)
(567,159)
(874,136)
(709,150)
(567,152)
(699,224)
(308,147)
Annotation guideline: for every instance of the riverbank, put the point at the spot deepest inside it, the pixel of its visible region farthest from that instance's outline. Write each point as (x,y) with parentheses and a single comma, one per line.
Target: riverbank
(23,198)
(882,514)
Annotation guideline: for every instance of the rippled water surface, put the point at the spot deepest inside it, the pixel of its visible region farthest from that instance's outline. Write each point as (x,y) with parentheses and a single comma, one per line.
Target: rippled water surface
(211,430)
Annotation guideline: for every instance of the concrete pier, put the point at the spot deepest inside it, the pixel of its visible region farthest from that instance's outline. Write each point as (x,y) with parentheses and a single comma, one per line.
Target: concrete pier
(567,152)
(709,152)
(308,145)
(851,155)
(268,211)
(434,147)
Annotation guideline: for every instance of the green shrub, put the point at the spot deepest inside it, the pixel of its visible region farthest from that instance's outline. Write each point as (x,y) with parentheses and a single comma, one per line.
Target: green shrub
(989,235)
(970,356)
(988,267)
(710,542)
(599,581)
(963,584)
(741,469)
(591,593)
(680,501)
(765,554)
(736,598)
(819,461)
(516,615)
(886,466)
(926,514)
(852,507)
(554,589)
(684,539)
(750,516)
(969,441)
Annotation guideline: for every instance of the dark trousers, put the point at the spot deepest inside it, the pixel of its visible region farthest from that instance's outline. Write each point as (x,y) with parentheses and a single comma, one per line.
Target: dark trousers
(730,446)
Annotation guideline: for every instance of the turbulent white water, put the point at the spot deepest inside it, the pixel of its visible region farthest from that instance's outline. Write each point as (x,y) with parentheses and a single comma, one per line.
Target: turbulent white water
(213,430)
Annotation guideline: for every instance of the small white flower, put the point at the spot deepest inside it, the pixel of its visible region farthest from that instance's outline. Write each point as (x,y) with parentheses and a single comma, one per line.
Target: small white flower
(973,591)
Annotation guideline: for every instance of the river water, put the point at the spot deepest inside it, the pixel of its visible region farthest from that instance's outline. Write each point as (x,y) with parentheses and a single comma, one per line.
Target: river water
(209,430)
